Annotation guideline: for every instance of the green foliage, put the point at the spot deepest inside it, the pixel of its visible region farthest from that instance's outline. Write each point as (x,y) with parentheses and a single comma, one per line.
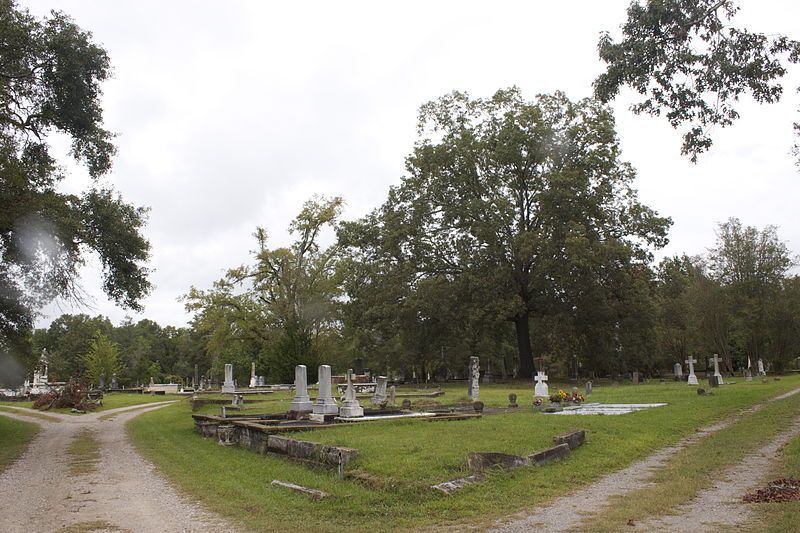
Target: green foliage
(102,361)
(281,310)
(51,73)
(517,207)
(687,61)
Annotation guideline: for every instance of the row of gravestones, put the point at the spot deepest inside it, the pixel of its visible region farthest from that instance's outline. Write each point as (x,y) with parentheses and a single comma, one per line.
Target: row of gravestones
(325,405)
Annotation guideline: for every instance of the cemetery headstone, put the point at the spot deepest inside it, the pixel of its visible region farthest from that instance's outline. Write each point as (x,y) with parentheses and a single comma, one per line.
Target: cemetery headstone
(677,369)
(541,385)
(748,375)
(588,388)
(392,395)
(761,371)
(512,400)
(350,408)
(714,381)
(228,386)
(379,398)
(474,378)
(325,404)
(301,403)
(359,364)
(692,377)
(716,360)
(253,379)
(635,378)
(196,382)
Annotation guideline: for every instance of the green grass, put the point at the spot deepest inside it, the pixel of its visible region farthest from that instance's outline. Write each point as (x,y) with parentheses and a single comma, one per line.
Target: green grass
(695,468)
(84,453)
(235,482)
(14,438)
(31,414)
(112,400)
(780,517)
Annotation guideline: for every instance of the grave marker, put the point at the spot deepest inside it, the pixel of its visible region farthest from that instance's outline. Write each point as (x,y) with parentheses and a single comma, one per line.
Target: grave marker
(635,378)
(474,378)
(761,368)
(301,403)
(541,385)
(228,386)
(716,360)
(379,398)
(692,377)
(350,407)
(325,404)
(678,371)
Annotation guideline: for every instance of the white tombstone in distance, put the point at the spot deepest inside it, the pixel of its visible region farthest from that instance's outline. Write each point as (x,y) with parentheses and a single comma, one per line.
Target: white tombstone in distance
(350,407)
(474,379)
(541,388)
(253,378)
(228,386)
(325,404)
(761,368)
(678,371)
(301,402)
(379,397)
(692,377)
(716,360)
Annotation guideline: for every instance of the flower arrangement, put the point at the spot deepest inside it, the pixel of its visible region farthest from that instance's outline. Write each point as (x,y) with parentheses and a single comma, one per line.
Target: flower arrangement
(562,396)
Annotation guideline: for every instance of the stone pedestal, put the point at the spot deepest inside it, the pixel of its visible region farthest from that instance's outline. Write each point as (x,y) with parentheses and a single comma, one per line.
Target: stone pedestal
(228,386)
(474,378)
(379,398)
(301,402)
(325,404)
(350,407)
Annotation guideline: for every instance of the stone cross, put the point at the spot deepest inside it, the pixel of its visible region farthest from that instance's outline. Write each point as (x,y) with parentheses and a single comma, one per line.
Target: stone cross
(678,371)
(379,397)
(692,377)
(253,381)
(761,368)
(541,385)
(716,360)
(474,378)
(325,404)
(228,386)
(350,407)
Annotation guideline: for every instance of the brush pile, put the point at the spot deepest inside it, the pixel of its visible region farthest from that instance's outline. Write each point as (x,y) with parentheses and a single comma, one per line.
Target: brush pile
(780,490)
(74,395)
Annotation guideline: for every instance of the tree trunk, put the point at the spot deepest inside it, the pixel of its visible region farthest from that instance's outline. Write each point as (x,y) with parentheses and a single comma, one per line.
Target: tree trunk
(526,365)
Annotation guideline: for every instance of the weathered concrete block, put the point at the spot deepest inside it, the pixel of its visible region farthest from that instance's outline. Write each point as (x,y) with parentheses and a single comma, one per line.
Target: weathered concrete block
(300,449)
(479,461)
(277,444)
(226,435)
(573,439)
(314,493)
(335,455)
(556,453)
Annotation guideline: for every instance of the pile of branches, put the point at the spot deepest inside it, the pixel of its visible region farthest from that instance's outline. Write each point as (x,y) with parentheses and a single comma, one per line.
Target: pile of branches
(780,490)
(73,395)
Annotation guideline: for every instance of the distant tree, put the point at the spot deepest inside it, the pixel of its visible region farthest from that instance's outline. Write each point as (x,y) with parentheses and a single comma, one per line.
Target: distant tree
(521,197)
(68,339)
(50,77)
(690,63)
(284,305)
(101,361)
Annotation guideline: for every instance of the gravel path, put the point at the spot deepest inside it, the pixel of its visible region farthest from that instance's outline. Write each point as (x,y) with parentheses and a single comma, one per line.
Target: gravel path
(721,505)
(567,512)
(37,492)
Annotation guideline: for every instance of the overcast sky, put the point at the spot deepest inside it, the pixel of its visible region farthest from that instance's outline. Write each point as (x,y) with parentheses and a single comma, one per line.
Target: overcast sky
(231,114)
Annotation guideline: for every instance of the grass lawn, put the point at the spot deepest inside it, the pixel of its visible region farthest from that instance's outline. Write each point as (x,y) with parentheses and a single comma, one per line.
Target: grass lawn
(14,438)
(112,400)
(414,454)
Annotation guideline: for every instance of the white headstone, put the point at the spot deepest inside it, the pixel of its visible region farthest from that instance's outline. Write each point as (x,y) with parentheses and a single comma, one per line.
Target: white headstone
(392,394)
(716,360)
(761,368)
(678,370)
(541,388)
(474,378)
(350,407)
(325,404)
(253,378)
(228,386)
(301,402)
(692,377)
(380,390)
